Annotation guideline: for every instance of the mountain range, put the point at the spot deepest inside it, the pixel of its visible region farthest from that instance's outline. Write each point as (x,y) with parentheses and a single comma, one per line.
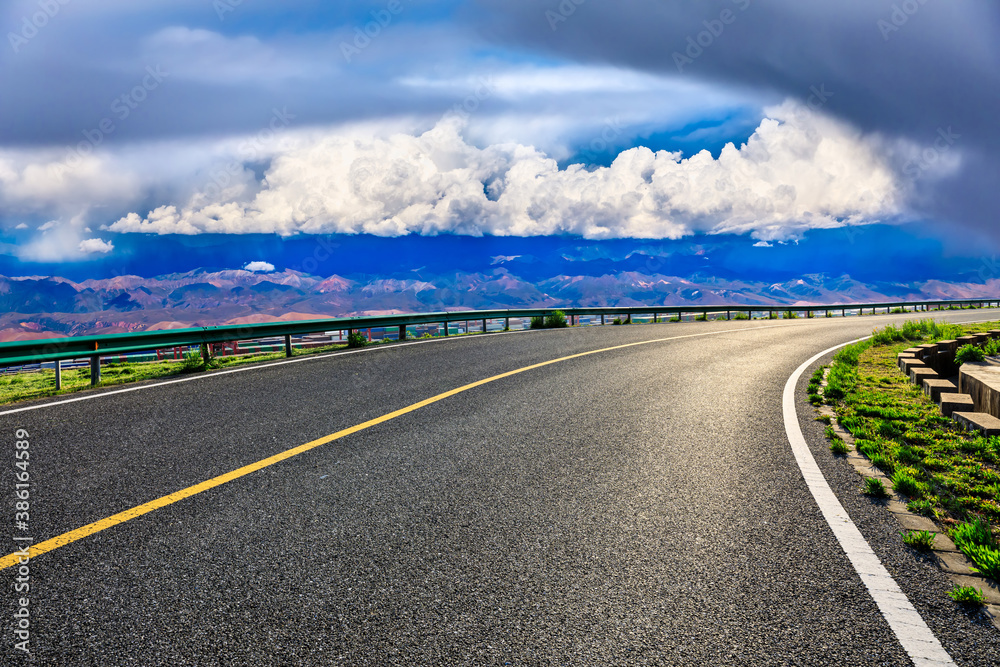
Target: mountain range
(41,307)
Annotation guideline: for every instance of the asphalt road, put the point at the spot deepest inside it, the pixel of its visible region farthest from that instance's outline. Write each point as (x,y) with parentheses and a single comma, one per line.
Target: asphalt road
(637,506)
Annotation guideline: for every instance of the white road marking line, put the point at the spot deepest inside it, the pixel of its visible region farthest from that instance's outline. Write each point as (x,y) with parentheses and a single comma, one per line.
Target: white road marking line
(916,638)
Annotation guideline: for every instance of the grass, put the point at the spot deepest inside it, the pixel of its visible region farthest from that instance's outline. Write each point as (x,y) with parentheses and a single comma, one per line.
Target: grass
(967,595)
(943,471)
(873,487)
(953,474)
(839,447)
(904,484)
(41,384)
(921,540)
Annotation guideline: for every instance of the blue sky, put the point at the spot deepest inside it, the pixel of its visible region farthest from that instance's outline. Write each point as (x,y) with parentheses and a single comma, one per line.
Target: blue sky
(787,137)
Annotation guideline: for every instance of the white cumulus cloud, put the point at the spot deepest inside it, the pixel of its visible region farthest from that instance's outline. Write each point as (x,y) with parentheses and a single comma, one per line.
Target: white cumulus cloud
(93,246)
(799,170)
(265,267)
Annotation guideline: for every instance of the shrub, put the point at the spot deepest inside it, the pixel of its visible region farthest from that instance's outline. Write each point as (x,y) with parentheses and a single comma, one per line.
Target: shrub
(883,463)
(921,507)
(538,322)
(702,318)
(556,320)
(975,532)
(887,336)
(986,558)
(838,447)
(741,316)
(992,347)
(905,484)
(921,540)
(356,339)
(192,361)
(967,595)
(617,320)
(873,487)
(898,311)
(789,315)
(969,353)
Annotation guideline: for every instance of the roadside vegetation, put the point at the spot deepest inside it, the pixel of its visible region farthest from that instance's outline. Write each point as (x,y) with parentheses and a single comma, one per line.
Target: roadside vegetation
(39,384)
(942,471)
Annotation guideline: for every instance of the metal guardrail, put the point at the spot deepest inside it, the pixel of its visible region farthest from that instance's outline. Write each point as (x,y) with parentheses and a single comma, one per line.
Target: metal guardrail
(56,349)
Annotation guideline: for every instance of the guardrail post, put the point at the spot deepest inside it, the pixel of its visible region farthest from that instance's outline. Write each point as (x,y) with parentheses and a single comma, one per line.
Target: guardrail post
(58,374)
(446,328)
(629,320)
(484,326)
(506,324)
(602,318)
(288,345)
(402,332)
(95,370)
(727,315)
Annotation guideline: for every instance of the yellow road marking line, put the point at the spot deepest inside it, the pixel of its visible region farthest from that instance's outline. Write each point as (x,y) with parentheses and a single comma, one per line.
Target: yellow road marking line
(146,508)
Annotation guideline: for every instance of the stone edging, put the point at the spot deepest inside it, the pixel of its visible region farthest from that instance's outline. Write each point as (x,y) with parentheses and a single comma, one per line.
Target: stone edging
(947,556)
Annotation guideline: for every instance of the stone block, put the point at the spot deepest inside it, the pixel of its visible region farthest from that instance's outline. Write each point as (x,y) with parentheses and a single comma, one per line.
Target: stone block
(943,543)
(955,402)
(915,522)
(911,362)
(985,423)
(948,346)
(918,375)
(934,388)
(955,562)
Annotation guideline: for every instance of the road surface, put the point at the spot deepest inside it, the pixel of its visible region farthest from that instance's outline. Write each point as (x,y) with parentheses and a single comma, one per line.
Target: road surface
(639,505)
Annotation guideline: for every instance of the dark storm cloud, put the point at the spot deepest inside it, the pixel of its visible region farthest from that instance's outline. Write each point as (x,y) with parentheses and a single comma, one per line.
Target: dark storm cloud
(914,69)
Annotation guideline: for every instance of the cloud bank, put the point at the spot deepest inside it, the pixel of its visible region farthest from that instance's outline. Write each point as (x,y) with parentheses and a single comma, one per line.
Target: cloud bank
(800,170)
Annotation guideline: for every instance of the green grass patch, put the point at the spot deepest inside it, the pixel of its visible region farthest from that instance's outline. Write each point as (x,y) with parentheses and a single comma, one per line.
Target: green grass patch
(839,447)
(945,472)
(967,595)
(921,540)
(874,487)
